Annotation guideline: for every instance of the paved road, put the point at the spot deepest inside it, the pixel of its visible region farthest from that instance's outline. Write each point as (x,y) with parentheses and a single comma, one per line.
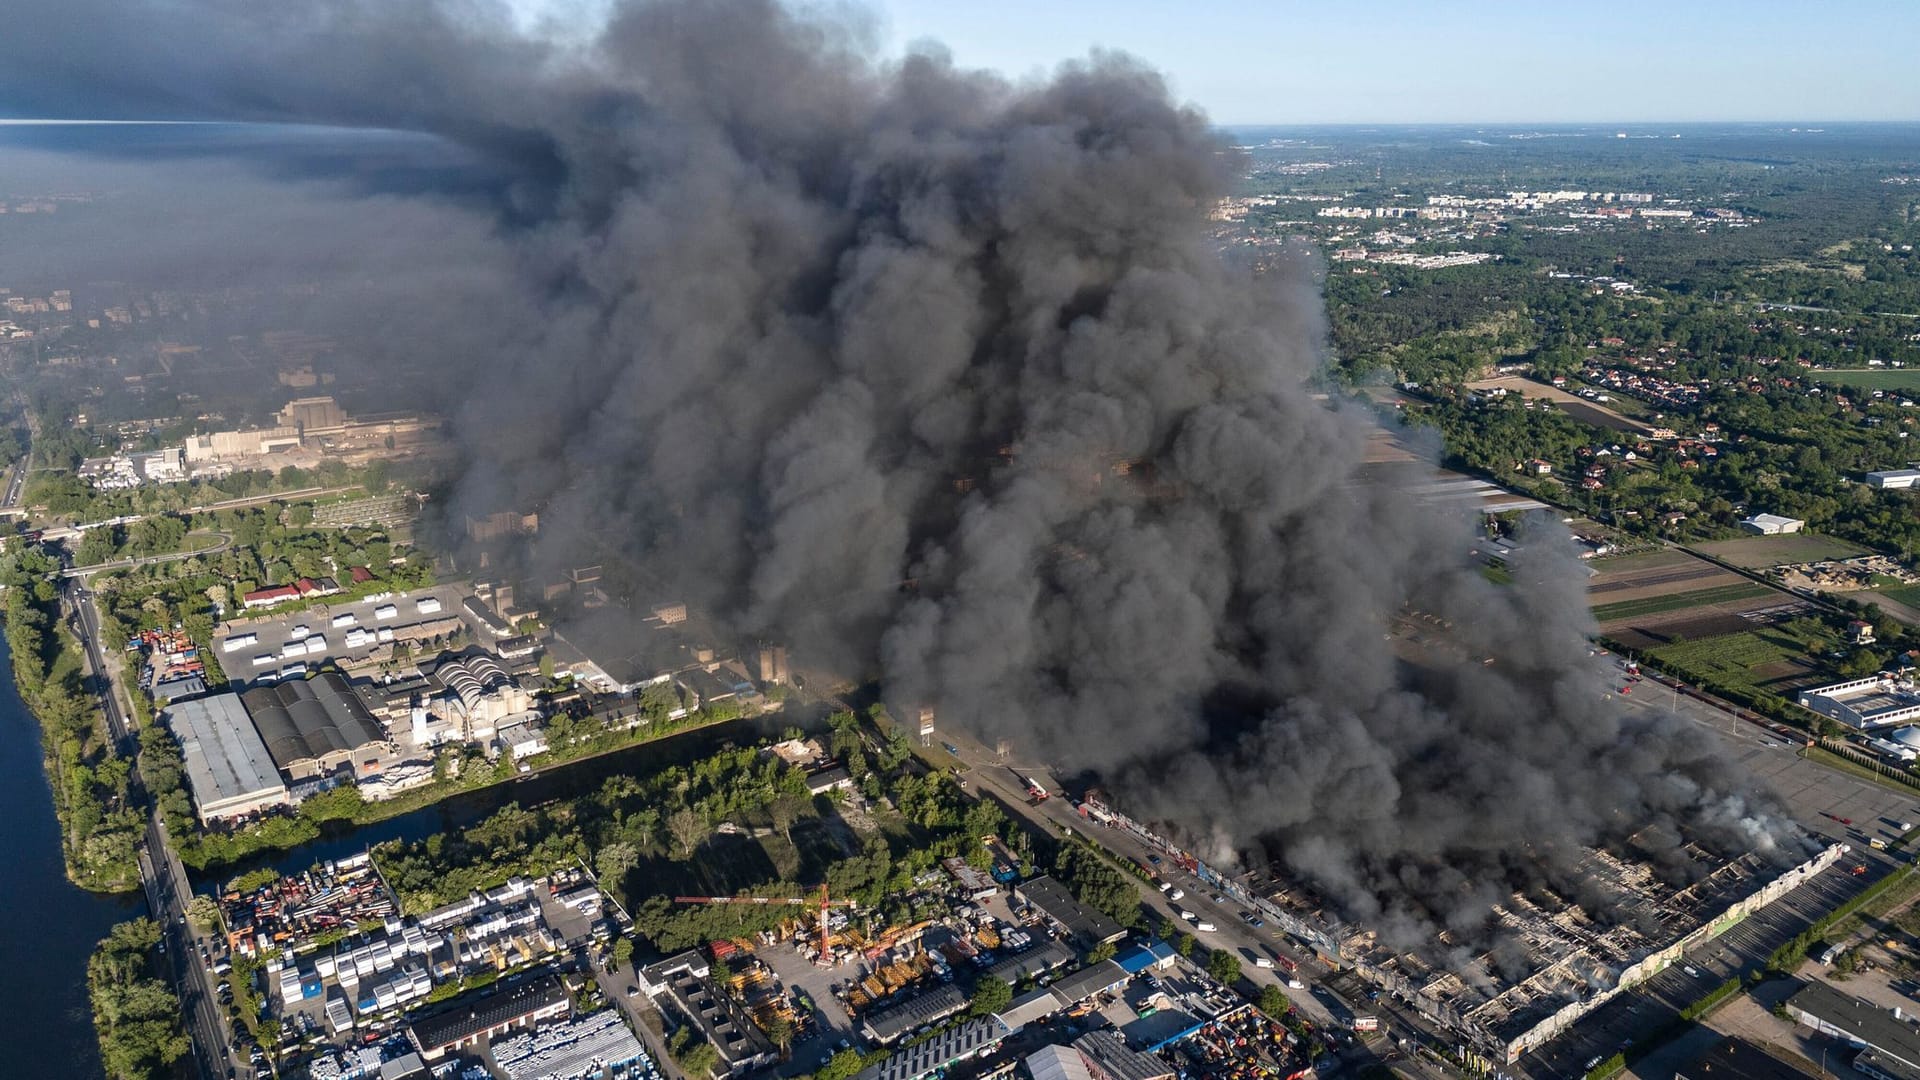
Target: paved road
(16,481)
(226,541)
(168,893)
(161,874)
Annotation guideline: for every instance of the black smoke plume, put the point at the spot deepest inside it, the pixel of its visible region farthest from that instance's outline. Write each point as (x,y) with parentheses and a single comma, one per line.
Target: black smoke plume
(789,326)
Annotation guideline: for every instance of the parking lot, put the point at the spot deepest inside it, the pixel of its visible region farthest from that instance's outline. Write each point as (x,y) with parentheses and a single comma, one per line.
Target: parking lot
(292,644)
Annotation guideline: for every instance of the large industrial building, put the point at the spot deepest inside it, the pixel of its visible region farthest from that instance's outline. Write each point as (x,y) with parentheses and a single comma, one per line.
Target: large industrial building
(227,763)
(1567,964)
(313,727)
(1875,701)
(253,751)
(222,445)
(1889,1047)
(313,416)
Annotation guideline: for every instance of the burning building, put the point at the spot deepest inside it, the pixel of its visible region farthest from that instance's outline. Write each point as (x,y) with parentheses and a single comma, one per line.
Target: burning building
(1553,961)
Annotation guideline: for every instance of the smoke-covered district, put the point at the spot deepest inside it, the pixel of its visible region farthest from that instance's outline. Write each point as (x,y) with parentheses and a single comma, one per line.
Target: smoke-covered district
(940,377)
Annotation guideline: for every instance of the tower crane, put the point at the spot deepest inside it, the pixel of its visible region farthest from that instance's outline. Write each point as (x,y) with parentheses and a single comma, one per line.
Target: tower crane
(825,902)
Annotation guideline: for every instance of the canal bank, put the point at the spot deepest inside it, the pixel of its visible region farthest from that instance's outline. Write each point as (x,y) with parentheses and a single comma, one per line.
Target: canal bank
(567,781)
(51,926)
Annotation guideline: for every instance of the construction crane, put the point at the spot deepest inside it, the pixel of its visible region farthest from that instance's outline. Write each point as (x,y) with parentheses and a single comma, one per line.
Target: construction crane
(826,904)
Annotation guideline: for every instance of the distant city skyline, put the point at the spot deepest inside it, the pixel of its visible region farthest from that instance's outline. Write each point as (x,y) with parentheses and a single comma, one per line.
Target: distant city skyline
(1403,61)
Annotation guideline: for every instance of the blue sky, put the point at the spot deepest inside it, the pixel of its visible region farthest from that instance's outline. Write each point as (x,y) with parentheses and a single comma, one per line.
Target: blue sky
(1383,61)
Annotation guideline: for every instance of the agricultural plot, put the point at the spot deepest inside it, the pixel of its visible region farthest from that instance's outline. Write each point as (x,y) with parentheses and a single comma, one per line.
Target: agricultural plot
(1760,552)
(1772,660)
(1655,605)
(1646,601)
(1870,378)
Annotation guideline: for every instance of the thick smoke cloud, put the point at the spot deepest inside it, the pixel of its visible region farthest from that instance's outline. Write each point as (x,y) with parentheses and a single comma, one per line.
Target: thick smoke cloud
(788,327)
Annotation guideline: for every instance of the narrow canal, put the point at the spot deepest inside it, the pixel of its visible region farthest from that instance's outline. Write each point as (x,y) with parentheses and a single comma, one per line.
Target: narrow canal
(49,926)
(560,782)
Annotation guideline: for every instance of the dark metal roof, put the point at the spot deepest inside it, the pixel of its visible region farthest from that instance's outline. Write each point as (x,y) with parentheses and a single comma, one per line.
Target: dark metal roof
(1113,1059)
(310,718)
(1863,1021)
(474,1013)
(1086,926)
(888,1024)
(1089,981)
(1035,961)
(1737,1059)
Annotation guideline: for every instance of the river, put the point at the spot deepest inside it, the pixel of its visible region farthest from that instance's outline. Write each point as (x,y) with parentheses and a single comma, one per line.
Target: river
(50,926)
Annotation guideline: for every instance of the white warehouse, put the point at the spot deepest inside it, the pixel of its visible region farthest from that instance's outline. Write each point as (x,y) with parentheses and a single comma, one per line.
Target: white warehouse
(1876,701)
(1893,479)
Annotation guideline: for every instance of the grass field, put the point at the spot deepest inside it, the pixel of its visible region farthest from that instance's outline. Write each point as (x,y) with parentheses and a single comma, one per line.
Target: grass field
(1900,594)
(1871,378)
(1654,605)
(1759,552)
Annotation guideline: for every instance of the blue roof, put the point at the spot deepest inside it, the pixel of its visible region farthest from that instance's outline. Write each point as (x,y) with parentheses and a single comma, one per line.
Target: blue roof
(1139,958)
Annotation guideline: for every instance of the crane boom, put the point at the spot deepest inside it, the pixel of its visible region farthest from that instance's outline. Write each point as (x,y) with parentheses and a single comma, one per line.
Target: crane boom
(825,902)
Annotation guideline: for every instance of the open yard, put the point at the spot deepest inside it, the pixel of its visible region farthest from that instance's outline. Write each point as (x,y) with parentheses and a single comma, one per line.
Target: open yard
(1870,378)
(1760,552)
(1579,408)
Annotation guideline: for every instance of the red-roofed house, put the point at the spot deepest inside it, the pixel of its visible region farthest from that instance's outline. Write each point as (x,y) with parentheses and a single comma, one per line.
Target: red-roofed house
(260,598)
(360,574)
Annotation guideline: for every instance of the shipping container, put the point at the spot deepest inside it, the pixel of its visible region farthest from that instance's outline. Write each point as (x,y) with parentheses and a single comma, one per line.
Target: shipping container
(345,619)
(427,605)
(386,611)
(238,641)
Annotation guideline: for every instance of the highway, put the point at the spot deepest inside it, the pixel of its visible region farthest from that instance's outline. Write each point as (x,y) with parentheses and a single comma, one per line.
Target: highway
(165,882)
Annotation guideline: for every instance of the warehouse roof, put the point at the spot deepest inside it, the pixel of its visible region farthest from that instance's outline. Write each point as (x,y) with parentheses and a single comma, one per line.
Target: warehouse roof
(310,718)
(473,1013)
(1089,981)
(1144,955)
(1112,1059)
(1086,926)
(1863,1021)
(630,651)
(225,757)
(938,1052)
(1038,960)
(886,1025)
(1028,1007)
(1057,1063)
